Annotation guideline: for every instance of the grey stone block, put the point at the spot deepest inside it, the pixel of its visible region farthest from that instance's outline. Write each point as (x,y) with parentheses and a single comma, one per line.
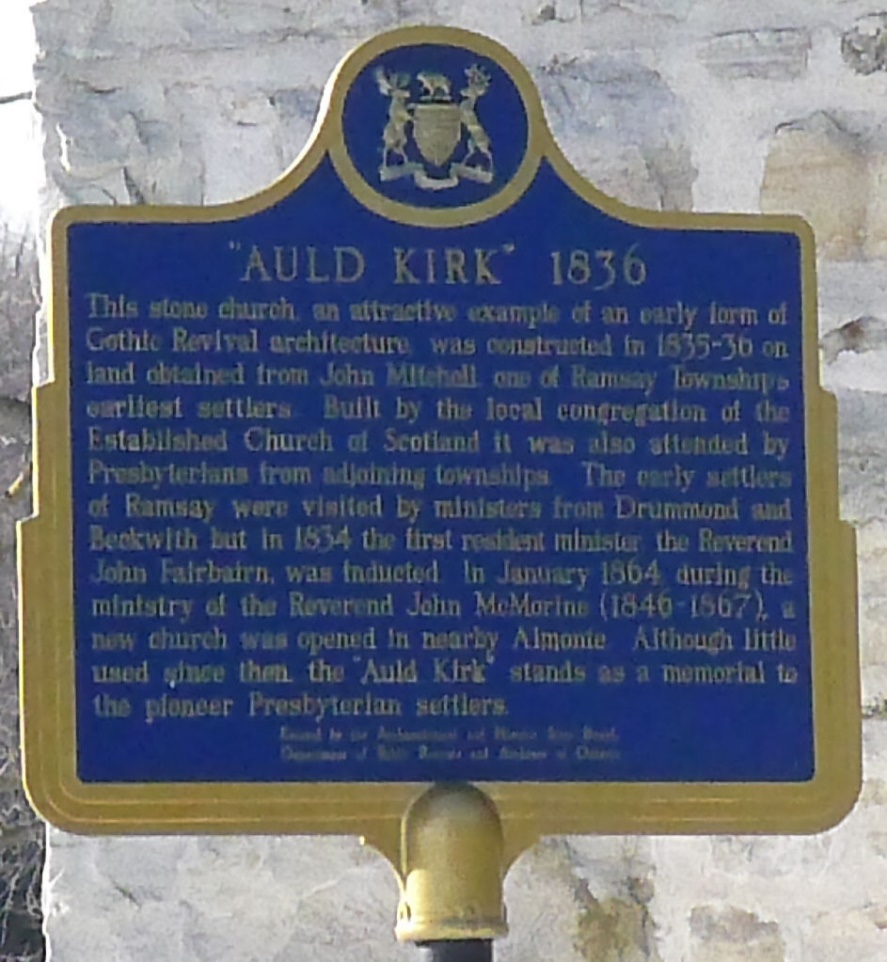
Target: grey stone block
(864,46)
(762,54)
(622,126)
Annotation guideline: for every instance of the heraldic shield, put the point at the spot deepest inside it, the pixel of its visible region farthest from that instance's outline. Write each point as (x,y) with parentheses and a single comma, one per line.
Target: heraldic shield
(438,130)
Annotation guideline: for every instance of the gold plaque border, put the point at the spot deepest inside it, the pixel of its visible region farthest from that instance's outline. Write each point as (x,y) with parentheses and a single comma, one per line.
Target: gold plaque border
(529,810)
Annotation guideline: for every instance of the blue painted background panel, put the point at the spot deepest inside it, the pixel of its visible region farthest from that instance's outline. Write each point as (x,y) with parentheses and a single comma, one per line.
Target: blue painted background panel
(635,730)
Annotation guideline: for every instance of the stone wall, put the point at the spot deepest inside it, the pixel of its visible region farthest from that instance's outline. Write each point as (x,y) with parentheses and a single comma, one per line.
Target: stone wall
(668,104)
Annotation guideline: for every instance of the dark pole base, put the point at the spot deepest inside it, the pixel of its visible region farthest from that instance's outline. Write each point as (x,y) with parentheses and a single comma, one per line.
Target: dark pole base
(461,950)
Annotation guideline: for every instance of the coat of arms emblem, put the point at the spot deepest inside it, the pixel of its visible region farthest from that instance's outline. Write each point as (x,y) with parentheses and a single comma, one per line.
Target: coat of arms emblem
(446,136)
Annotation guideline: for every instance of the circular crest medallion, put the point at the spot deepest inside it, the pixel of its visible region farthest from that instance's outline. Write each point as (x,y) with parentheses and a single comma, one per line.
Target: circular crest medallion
(435,133)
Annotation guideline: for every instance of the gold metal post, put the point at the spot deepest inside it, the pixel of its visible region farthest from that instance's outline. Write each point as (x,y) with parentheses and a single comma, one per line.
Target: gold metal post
(452,869)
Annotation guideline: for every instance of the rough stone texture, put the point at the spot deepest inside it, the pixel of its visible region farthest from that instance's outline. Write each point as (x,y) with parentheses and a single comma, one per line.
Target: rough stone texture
(875,245)
(855,354)
(863,456)
(669,104)
(872,560)
(859,336)
(765,54)
(852,314)
(803,886)
(195,899)
(595,905)
(622,128)
(812,161)
(817,158)
(864,46)
(732,935)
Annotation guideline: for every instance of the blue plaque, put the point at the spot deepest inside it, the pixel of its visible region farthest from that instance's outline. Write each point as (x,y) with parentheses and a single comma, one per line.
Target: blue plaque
(432,463)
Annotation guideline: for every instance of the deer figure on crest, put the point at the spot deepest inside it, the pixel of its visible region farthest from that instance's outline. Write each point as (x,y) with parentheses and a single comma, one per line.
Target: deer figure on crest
(394,136)
(478,139)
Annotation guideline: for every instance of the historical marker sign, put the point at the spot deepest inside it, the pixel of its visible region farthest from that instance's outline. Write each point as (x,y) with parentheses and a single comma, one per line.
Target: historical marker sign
(432,463)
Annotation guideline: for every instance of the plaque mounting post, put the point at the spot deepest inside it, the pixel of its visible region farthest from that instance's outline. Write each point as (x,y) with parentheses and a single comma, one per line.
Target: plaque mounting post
(452,868)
